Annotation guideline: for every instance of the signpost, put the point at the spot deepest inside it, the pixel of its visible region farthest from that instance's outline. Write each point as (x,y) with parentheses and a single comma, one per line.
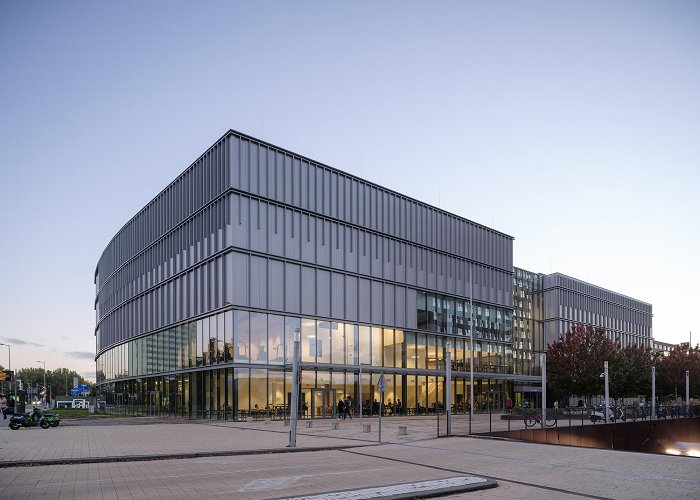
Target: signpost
(381,386)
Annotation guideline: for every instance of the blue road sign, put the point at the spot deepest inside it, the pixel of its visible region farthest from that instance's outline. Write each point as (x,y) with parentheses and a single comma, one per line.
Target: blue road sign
(74,392)
(83,388)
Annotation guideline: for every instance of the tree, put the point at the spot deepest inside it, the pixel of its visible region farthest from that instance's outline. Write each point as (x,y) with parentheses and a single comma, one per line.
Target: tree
(59,381)
(671,370)
(630,373)
(575,361)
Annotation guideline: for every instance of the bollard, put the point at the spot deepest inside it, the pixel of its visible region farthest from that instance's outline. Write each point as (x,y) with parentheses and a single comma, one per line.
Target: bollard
(403,430)
(335,426)
(366,428)
(310,424)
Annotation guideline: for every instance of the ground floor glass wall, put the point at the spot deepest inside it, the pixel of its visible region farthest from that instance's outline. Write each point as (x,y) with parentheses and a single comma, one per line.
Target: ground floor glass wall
(237,364)
(239,393)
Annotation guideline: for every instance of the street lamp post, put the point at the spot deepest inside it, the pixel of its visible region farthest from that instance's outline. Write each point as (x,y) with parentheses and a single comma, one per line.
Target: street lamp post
(653,393)
(543,363)
(607,391)
(687,393)
(471,350)
(294,411)
(448,383)
(360,388)
(44,362)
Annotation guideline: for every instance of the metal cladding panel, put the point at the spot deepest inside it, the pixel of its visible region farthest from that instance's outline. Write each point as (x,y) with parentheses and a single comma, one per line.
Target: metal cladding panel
(292,288)
(364,294)
(351,299)
(343,248)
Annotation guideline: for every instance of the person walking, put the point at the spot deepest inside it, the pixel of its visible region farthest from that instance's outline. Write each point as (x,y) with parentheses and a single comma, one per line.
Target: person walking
(3,406)
(348,405)
(341,408)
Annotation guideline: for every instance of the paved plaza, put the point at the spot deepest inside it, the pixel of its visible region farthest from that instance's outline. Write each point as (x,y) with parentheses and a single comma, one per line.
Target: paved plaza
(105,459)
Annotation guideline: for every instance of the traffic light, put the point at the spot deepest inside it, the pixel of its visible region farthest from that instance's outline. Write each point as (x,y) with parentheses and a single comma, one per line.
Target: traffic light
(6,376)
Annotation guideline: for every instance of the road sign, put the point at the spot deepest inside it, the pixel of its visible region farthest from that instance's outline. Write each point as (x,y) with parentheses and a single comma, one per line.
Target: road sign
(74,392)
(381,385)
(83,388)
(6,376)
(76,382)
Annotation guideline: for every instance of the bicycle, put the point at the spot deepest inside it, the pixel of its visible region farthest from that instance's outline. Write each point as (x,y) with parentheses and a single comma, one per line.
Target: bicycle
(536,419)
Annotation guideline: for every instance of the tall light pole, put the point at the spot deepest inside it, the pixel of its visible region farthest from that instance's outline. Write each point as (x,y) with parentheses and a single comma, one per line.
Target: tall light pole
(687,393)
(607,391)
(653,393)
(44,362)
(543,363)
(360,388)
(294,411)
(9,363)
(471,350)
(448,383)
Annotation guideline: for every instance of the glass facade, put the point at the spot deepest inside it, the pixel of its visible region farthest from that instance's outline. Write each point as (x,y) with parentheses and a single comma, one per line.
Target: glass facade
(237,364)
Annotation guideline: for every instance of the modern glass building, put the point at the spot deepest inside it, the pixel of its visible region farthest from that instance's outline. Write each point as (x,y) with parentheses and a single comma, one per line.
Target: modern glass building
(199,295)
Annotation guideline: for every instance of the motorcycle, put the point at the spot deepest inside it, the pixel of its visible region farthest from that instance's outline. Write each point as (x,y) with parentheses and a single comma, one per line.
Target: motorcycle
(33,419)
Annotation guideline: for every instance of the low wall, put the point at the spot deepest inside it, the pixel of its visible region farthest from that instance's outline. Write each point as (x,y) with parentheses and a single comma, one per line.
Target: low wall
(645,436)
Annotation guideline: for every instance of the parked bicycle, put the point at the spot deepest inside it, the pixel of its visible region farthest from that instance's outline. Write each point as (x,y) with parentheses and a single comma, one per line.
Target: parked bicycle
(536,419)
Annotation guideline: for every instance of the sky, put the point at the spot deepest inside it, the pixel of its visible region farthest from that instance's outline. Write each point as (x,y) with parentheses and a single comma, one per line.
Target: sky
(572,126)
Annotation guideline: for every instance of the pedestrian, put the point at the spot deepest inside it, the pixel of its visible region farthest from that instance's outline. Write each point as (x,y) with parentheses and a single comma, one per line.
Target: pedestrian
(348,405)
(341,408)
(3,406)
(509,405)
(10,410)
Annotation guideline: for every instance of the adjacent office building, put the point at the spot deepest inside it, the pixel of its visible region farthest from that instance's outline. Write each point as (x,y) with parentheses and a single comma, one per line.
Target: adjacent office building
(201,294)
(568,301)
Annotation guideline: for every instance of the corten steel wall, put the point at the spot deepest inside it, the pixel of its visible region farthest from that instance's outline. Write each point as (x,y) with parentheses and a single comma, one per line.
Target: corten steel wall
(256,226)
(647,436)
(568,300)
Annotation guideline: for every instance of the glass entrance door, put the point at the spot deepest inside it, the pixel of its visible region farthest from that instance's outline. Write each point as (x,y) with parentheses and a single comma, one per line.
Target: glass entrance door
(119,406)
(153,403)
(323,403)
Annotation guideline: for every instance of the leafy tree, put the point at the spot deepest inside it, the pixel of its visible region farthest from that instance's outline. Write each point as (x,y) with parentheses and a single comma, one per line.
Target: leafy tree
(575,361)
(630,373)
(58,381)
(670,371)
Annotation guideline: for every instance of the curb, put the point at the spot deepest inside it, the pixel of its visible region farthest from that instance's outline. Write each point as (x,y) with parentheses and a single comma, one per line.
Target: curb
(408,491)
(169,456)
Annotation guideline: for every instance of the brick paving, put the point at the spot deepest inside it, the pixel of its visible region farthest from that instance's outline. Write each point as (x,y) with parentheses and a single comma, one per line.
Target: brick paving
(523,470)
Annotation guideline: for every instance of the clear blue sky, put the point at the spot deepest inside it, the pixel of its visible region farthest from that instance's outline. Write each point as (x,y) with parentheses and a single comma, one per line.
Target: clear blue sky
(573,126)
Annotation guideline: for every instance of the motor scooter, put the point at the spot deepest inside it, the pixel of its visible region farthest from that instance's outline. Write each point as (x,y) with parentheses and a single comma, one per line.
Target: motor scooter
(614,413)
(33,419)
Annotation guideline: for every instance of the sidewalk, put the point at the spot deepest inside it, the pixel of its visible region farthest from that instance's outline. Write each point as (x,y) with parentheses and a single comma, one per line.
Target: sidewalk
(522,470)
